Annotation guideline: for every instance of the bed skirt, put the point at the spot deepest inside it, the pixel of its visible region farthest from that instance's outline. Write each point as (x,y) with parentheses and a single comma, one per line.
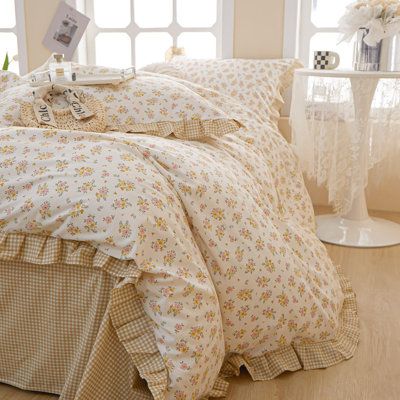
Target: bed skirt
(71,323)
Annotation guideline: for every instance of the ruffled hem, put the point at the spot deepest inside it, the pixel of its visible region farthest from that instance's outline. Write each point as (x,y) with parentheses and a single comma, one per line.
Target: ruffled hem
(303,355)
(186,129)
(285,81)
(126,311)
(135,332)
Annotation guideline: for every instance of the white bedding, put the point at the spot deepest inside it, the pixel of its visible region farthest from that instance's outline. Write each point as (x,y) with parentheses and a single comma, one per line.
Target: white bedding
(221,229)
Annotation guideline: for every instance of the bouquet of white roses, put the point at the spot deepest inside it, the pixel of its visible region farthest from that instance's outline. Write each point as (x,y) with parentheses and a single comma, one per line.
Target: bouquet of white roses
(381,18)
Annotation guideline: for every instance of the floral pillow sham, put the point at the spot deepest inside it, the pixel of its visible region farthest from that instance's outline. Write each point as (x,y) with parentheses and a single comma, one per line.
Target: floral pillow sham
(148,104)
(257,84)
(159,106)
(9,79)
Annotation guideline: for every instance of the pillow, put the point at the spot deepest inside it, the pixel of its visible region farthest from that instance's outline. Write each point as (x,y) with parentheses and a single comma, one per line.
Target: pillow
(9,79)
(160,106)
(258,84)
(148,104)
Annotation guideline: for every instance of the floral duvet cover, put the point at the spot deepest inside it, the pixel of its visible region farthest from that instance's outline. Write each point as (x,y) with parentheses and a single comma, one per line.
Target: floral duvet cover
(222,232)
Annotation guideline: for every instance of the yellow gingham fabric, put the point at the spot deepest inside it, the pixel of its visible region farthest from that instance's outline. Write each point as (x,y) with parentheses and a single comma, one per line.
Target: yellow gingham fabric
(71,323)
(195,129)
(305,355)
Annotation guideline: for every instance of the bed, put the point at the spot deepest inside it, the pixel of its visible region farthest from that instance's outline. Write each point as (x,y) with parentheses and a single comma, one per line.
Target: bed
(156,265)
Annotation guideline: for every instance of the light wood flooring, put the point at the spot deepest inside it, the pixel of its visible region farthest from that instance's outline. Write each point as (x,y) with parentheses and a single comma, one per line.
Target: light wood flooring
(373,373)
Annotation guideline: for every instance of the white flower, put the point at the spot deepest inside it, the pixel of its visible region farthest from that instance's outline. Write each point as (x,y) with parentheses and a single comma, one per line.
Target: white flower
(380,17)
(356,18)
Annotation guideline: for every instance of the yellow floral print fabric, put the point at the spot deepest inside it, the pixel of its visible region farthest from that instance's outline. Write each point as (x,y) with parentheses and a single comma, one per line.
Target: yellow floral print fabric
(8,80)
(148,104)
(257,84)
(222,232)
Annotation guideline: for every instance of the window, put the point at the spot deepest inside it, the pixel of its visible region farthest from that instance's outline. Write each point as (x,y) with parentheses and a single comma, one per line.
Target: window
(138,32)
(312,25)
(12,35)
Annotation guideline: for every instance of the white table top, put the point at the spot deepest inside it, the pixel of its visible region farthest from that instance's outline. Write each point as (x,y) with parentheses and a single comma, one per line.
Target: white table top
(342,73)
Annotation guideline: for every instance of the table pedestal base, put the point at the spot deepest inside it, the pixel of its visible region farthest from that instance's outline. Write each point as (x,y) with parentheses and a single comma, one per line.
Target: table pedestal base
(371,232)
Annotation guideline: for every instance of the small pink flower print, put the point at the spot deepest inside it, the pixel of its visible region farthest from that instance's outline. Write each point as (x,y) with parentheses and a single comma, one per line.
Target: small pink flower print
(126,250)
(61,187)
(178,327)
(262,281)
(27,206)
(124,229)
(159,244)
(43,190)
(125,185)
(78,209)
(197,332)
(245,294)
(61,165)
(265,296)
(283,299)
(84,171)
(143,204)
(73,230)
(44,210)
(175,308)
(108,219)
(242,312)
(11,193)
(269,265)
(21,167)
(269,312)
(169,257)
(122,203)
(8,149)
(102,193)
(90,224)
(218,214)
(197,300)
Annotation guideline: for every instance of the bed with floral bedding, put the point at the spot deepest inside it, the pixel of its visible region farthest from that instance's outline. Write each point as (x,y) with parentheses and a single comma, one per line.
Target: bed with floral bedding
(140,266)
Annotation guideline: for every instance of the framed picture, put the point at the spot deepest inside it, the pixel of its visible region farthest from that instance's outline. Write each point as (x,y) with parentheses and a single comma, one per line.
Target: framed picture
(66,30)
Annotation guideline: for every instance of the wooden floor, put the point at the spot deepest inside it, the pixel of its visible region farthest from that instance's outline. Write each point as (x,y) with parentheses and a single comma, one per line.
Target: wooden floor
(373,373)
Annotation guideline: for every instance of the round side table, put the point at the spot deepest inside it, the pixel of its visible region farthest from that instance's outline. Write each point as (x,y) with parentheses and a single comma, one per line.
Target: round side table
(354,227)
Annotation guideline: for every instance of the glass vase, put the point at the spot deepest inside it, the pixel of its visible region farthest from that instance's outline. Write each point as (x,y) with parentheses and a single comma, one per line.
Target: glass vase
(366,58)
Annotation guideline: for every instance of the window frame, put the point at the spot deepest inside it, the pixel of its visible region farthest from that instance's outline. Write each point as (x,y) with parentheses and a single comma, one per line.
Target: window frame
(19,32)
(299,29)
(223,30)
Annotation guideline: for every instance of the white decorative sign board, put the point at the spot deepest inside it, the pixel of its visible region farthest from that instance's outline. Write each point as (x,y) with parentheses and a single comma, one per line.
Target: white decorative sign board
(66,30)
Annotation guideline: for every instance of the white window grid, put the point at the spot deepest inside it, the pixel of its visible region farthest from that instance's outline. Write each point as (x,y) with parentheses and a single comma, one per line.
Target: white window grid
(222,30)
(299,30)
(19,30)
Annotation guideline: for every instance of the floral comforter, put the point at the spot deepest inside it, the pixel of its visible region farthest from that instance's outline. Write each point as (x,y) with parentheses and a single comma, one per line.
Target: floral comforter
(222,230)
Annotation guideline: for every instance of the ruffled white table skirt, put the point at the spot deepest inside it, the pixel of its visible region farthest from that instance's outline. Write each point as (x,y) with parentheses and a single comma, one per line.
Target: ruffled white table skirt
(328,136)
(344,123)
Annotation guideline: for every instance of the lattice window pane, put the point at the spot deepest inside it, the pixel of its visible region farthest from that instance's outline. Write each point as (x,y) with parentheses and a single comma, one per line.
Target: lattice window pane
(153,13)
(150,47)
(196,13)
(7,14)
(113,50)
(329,41)
(326,13)
(112,13)
(8,43)
(198,44)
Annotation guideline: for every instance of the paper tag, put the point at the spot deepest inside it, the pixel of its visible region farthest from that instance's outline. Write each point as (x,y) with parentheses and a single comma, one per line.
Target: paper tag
(44,113)
(78,109)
